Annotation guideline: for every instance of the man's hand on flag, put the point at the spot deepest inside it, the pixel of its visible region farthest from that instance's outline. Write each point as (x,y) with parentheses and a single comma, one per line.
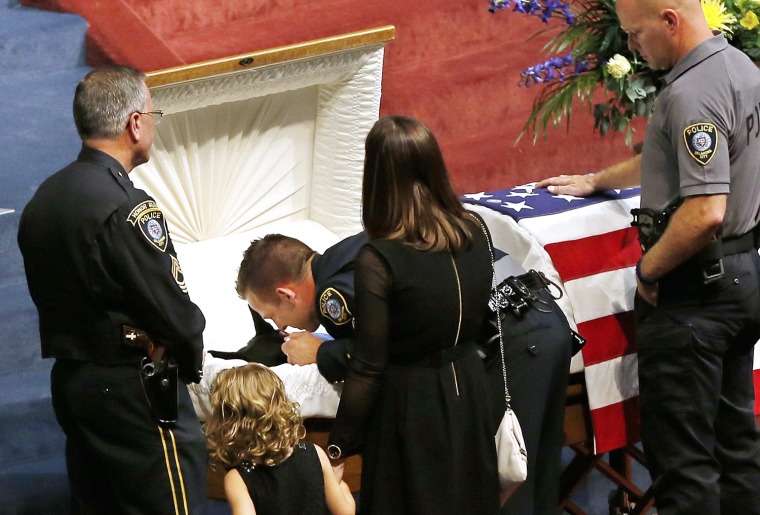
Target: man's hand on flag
(576,185)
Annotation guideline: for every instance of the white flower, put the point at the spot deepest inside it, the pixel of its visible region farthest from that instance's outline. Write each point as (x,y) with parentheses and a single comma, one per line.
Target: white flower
(618,66)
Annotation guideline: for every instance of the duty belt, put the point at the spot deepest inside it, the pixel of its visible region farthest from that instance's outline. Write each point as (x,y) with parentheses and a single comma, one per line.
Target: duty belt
(710,258)
(743,243)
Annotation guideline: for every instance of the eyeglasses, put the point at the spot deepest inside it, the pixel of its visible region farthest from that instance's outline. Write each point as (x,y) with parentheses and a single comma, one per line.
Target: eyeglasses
(157,115)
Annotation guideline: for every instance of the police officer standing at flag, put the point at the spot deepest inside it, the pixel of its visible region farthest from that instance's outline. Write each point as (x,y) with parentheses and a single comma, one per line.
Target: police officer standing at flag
(115,314)
(698,282)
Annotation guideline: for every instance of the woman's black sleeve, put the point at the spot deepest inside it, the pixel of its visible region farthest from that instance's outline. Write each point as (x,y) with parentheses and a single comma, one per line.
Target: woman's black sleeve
(370,352)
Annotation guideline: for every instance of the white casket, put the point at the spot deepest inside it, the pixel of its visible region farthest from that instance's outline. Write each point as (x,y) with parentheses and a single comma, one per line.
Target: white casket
(271,141)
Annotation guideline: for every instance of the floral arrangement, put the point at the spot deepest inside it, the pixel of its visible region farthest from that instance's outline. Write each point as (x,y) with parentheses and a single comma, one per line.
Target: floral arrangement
(738,20)
(589,52)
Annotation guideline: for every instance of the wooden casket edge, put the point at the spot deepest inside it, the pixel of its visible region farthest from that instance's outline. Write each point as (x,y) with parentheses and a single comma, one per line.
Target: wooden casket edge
(241,62)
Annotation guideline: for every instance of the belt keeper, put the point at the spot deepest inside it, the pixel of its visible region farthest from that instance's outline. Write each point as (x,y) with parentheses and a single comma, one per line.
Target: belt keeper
(711,261)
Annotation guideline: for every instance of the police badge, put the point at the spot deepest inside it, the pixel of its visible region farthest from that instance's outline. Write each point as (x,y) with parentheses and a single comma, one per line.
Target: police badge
(151,222)
(701,140)
(333,306)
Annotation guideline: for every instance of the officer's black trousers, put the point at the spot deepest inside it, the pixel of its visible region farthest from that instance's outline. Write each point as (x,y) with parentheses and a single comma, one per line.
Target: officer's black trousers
(537,353)
(118,459)
(695,356)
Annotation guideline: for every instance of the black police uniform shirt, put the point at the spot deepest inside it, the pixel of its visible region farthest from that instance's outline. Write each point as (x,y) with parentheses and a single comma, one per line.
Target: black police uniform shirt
(98,256)
(333,273)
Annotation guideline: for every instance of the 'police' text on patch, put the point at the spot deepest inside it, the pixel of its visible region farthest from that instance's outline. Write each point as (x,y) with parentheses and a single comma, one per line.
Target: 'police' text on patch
(333,305)
(151,222)
(701,141)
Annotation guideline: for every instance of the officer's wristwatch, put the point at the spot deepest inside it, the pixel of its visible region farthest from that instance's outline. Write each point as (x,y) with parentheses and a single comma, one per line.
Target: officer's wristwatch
(334,452)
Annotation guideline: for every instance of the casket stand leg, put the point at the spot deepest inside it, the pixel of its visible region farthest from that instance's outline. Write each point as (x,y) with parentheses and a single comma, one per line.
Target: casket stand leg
(578,436)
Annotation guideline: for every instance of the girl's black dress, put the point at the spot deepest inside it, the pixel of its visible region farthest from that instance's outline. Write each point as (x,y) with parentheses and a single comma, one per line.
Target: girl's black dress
(294,487)
(416,406)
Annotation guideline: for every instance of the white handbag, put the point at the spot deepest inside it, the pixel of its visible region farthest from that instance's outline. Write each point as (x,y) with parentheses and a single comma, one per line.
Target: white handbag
(512,458)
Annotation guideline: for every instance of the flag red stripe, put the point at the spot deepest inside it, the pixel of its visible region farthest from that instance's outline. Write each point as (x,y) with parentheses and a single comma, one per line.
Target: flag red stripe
(608,337)
(584,257)
(616,425)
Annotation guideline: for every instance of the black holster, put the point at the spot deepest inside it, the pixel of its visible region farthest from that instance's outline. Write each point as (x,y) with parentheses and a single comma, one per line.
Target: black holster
(159,381)
(651,224)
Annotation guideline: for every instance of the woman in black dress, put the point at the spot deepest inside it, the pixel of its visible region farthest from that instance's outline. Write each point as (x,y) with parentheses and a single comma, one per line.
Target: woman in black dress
(415,403)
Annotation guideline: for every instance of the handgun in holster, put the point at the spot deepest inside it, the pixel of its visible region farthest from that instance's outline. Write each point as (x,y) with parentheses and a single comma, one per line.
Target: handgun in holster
(159,375)
(652,224)
(159,380)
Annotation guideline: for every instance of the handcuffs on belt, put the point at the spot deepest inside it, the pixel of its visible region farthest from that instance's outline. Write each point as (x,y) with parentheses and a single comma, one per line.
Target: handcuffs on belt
(520,293)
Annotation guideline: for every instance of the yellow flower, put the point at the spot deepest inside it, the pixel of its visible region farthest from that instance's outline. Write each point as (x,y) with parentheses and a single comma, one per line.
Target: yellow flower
(717,16)
(750,21)
(618,66)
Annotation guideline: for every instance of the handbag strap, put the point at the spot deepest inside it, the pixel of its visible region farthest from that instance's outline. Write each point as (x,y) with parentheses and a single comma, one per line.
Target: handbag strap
(459,292)
(507,396)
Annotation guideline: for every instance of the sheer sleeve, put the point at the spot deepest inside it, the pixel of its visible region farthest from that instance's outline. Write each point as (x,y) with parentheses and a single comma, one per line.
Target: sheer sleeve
(370,353)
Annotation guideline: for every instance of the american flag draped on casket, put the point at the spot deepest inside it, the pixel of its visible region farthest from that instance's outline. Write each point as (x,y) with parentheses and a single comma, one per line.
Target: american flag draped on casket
(589,244)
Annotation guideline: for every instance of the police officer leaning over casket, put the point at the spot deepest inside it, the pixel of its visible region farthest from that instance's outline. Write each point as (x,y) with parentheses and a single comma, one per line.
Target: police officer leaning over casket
(115,314)
(698,284)
(286,281)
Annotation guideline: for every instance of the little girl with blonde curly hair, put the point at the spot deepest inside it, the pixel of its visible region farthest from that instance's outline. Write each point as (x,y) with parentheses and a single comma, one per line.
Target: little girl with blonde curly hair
(255,433)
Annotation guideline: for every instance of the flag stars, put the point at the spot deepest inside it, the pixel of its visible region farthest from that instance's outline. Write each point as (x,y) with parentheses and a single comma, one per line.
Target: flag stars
(478,196)
(523,194)
(527,187)
(569,198)
(517,206)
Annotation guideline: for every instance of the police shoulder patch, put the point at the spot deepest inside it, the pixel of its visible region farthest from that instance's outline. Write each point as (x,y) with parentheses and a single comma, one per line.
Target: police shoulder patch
(701,141)
(149,219)
(333,306)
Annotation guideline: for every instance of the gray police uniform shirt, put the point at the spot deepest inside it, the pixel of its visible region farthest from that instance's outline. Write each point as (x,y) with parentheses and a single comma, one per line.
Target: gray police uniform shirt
(704,135)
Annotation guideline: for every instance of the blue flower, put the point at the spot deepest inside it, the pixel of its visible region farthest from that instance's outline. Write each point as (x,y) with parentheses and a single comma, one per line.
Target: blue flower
(544,11)
(555,68)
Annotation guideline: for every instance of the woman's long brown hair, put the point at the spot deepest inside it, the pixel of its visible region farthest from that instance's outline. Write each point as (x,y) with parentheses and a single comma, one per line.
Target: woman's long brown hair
(406,192)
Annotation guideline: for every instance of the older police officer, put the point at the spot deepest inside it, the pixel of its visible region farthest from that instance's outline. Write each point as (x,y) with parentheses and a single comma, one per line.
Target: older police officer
(109,290)
(698,295)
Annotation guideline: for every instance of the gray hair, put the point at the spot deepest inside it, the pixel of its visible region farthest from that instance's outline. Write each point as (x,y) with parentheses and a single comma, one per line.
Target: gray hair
(106,98)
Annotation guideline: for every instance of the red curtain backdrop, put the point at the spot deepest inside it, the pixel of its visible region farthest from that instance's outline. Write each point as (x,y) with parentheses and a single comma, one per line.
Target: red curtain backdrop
(453,65)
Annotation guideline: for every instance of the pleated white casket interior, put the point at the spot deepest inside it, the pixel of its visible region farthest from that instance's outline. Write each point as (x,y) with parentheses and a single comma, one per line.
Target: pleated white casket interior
(237,156)
(273,149)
